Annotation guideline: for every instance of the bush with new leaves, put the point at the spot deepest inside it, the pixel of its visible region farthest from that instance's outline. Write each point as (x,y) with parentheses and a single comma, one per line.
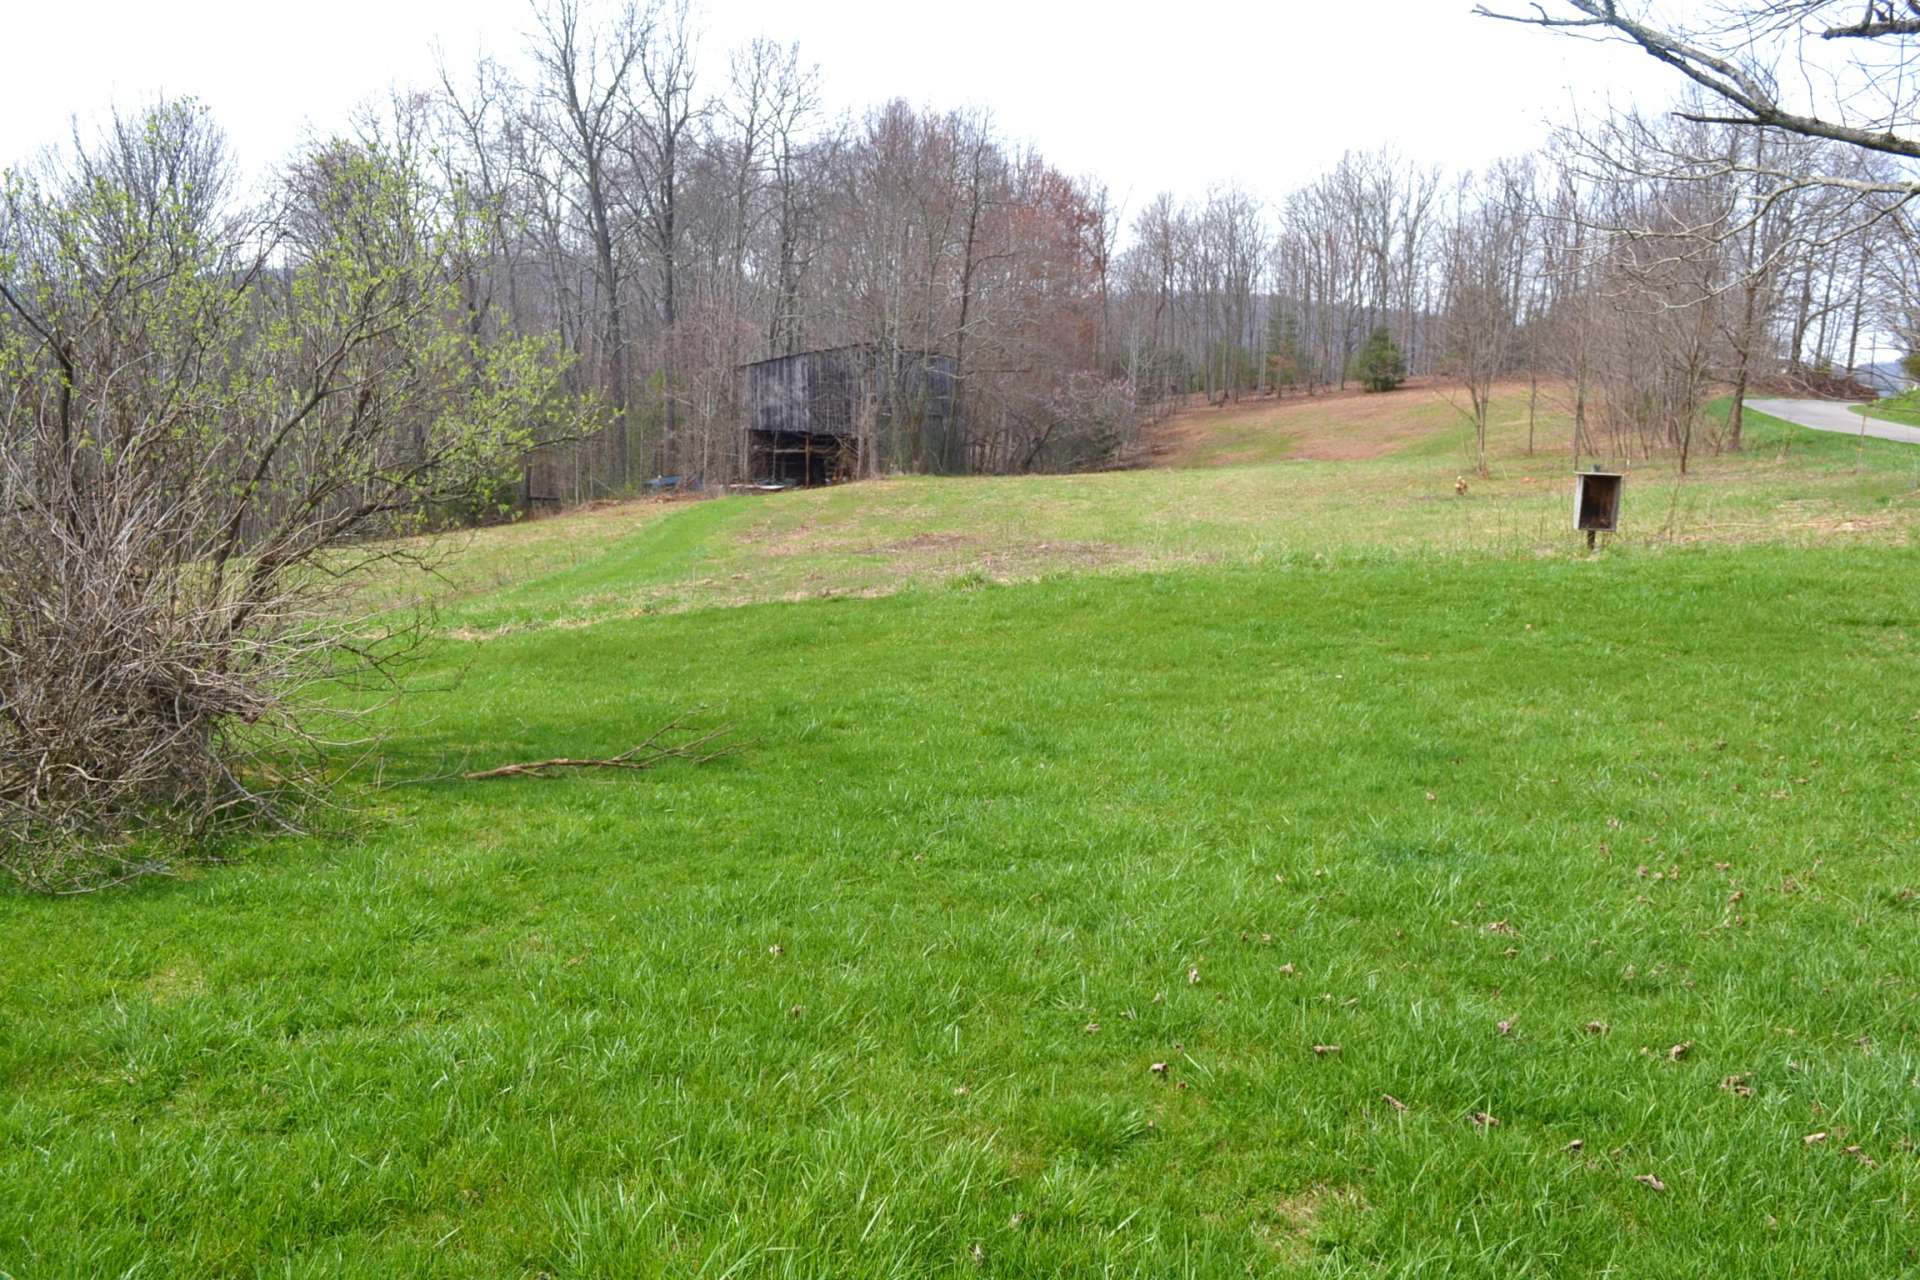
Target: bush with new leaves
(213,420)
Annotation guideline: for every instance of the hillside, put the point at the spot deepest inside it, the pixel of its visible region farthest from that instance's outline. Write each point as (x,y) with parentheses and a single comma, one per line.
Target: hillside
(1889,377)
(1260,483)
(1270,862)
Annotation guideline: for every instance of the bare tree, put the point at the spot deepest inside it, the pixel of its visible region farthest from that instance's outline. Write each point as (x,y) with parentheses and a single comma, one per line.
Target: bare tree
(662,110)
(584,71)
(1486,277)
(1736,57)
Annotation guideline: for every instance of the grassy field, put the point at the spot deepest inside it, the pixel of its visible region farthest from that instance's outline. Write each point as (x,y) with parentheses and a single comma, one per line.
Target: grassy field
(1257,484)
(1904,409)
(1260,865)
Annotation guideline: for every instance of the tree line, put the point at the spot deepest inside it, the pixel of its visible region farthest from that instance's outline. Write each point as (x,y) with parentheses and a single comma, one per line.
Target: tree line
(668,229)
(663,218)
(1632,267)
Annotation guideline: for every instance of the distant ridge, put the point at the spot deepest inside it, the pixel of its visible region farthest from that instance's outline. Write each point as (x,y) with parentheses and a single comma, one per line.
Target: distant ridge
(1887,377)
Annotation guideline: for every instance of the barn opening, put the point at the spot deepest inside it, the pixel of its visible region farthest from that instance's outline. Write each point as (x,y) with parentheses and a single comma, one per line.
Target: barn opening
(804,458)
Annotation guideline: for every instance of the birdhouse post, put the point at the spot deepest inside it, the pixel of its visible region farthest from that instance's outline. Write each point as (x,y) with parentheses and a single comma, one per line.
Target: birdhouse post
(1596,503)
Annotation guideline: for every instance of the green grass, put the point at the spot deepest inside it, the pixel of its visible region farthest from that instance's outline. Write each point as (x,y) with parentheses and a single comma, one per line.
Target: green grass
(829,1008)
(1904,409)
(1790,486)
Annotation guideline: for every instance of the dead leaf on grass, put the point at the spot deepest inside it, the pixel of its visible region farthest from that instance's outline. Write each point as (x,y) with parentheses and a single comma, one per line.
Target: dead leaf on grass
(1651,1180)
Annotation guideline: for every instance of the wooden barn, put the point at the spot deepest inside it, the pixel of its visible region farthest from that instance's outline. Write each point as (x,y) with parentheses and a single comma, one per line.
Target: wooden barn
(821,417)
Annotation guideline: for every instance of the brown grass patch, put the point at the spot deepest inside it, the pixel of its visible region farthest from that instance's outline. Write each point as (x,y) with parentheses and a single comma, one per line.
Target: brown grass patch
(174,984)
(801,539)
(921,544)
(1298,1220)
(1332,426)
(1031,559)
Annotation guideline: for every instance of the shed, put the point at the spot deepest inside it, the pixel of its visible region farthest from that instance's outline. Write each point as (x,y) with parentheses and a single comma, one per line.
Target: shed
(820,417)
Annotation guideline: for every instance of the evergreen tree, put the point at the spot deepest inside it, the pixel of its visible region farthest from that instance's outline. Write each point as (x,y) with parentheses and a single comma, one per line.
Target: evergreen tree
(1378,364)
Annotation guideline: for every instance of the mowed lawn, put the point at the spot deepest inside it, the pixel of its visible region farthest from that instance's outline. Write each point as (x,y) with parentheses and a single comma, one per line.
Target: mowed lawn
(1488,911)
(1262,483)
(1904,410)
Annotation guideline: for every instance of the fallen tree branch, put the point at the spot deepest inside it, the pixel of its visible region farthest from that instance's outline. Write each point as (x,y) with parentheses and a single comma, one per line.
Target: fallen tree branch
(703,748)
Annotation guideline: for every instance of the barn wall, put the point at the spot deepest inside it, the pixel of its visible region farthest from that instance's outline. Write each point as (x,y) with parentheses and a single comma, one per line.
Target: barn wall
(905,422)
(776,395)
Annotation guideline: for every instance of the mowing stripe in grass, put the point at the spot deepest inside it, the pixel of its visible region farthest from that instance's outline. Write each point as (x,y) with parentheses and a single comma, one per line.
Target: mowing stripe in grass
(891,985)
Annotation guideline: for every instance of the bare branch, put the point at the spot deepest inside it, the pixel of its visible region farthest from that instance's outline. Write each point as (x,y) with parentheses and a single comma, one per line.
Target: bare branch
(657,749)
(1742,84)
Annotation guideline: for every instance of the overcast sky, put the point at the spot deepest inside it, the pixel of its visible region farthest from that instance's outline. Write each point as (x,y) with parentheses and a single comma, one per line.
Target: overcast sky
(1148,96)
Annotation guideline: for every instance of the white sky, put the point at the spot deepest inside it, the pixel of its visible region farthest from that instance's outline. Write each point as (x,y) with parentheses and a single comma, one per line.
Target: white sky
(1148,96)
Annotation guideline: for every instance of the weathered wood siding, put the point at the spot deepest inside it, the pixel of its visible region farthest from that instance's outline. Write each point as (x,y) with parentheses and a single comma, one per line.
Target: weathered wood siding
(815,392)
(905,421)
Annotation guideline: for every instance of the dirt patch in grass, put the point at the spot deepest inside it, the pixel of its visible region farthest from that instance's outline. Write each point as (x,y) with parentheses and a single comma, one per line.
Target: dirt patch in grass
(175,983)
(1031,559)
(1299,1221)
(1243,458)
(921,544)
(801,539)
(1858,524)
(925,559)
(938,557)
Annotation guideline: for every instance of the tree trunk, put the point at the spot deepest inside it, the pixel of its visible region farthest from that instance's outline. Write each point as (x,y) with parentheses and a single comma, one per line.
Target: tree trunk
(618,462)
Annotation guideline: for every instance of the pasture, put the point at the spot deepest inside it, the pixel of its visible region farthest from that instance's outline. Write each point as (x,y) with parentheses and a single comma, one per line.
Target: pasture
(1269,862)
